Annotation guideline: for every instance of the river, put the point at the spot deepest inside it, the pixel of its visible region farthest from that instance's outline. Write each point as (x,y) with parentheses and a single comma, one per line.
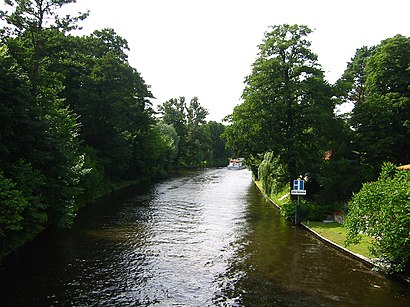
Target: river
(203,238)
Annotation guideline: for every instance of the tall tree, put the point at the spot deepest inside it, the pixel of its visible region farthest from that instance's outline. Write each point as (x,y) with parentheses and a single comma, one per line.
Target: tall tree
(287,107)
(23,212)
(32,24)
(173,113)
(31,20)
(110,97)
(351,85)
(196,151)
(219,153)
(49,82)
(381,122)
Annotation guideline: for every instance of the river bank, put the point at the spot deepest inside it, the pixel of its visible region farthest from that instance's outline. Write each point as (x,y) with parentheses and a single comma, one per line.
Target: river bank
(335,238)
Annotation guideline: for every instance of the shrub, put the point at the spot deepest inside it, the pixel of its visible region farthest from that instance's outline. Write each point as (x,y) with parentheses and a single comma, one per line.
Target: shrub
(12,205)
(311,211)
(381,209)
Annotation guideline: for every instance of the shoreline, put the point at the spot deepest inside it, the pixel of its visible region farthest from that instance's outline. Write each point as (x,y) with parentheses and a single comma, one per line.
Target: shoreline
(364,260)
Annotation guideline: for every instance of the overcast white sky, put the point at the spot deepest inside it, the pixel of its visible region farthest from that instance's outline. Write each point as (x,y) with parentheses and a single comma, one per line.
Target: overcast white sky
(205,48)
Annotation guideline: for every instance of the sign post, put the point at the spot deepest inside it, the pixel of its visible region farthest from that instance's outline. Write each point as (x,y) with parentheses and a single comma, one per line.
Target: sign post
(298,189)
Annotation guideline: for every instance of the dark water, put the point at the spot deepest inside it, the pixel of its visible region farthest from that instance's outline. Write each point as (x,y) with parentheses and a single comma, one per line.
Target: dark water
(200,239)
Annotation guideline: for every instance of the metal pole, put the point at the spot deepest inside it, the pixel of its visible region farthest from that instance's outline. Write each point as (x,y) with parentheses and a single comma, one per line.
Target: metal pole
(297,214)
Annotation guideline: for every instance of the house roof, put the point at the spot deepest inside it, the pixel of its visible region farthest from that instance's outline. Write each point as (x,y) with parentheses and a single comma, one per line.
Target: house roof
(406,167)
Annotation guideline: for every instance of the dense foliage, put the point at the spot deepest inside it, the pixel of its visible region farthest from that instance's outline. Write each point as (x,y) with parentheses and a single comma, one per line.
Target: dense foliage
(382,210)
(76,121)
(376,82)
(199,142)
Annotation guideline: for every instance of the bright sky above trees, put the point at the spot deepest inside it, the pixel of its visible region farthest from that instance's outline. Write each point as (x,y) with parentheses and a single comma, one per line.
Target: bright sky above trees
(205,48)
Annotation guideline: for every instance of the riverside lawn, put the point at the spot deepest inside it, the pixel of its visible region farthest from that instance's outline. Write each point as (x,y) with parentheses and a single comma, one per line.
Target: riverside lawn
(337,233)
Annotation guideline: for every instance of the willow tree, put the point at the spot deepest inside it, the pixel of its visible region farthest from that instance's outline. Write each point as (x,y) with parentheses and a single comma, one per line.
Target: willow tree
(287,108)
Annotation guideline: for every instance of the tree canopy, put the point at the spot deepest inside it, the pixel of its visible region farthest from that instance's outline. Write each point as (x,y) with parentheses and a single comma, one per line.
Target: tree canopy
(199,141)
(381,121)
(287,127)
(287,106)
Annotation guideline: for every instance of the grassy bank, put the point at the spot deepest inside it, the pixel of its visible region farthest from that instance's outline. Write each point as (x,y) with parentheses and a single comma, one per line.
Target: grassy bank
(280,198)
(337,233)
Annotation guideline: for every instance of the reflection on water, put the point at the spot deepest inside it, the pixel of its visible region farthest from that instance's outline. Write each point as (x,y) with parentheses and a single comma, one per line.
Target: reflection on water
(199,239)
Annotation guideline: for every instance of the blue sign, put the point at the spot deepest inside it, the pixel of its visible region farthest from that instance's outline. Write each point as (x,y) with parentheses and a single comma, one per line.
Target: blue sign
(298,185)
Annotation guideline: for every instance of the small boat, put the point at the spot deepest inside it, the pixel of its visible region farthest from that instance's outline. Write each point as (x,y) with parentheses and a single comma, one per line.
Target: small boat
(236,164)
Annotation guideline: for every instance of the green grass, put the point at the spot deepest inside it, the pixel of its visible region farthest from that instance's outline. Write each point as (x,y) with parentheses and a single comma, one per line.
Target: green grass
(281,197)
(337,233)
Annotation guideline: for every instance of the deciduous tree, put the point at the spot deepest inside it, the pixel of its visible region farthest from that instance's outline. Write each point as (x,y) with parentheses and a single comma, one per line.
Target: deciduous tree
(189,121)
(381,122)
(287,106)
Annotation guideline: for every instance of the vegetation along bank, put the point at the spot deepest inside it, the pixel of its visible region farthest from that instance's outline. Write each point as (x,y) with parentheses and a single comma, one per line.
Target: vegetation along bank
(76,122)
(289,127)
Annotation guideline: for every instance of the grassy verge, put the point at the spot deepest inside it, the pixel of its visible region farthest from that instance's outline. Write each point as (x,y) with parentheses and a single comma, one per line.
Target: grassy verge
(281,197)
(337,233)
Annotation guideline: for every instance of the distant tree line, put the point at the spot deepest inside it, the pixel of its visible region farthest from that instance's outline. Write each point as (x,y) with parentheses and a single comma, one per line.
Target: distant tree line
(197,142)
(76,121)
(287,126)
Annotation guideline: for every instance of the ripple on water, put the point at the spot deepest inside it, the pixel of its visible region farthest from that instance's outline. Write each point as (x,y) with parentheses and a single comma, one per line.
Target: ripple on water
(202,239)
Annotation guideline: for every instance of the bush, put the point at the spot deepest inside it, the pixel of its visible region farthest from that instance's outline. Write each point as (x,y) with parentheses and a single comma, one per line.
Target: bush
(12,205)
(309,210)
(288,210)
(22,212)
(382,210)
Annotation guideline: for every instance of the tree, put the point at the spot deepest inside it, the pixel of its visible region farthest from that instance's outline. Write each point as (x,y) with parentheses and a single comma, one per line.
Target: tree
(110,97)
(219,154)
(24,211)
(271,174)
(351,85)
(72,103)
(55,142)
(170,140)
(173,113)
(387,69)
(287,106)
(196,151)
(31,20)
(381,121)
(189,122)
(382,210)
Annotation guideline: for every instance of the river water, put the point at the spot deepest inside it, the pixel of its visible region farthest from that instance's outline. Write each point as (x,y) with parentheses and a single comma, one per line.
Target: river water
(205,238)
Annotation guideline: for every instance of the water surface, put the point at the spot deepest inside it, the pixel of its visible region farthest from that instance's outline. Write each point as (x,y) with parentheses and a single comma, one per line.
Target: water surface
(205,238)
